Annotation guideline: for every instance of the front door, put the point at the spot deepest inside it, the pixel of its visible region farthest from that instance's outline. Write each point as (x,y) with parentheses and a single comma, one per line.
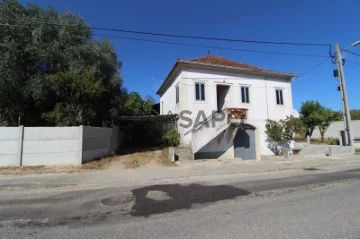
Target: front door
(244,144)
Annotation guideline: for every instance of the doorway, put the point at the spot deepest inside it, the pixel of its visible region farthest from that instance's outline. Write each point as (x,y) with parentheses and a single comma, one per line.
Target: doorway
(244,143)
(221,96)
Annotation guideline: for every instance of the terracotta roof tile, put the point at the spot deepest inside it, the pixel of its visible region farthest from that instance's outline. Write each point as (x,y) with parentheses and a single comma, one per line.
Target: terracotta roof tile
(220,61)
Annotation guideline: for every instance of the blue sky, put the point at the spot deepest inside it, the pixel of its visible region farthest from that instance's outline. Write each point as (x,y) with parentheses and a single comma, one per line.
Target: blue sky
(146,64)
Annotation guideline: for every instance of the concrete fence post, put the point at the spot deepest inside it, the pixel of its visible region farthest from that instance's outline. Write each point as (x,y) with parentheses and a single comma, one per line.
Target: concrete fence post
(112,139)
(308,140)
(20,146)
(80,144)
(341,142)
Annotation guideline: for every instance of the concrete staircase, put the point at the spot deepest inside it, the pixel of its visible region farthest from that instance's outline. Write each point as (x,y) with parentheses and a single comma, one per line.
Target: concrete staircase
(207,130)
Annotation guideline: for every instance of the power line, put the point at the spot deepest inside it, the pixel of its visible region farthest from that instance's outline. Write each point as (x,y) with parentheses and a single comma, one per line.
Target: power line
(353,53)
(190,45)
(203,38)
(356,63)
(314,67)
(183,36)
(211,46)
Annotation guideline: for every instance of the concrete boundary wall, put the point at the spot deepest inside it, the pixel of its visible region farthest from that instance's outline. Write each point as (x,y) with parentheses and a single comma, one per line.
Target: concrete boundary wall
(97,142)
(50,145)
(334,130)
(10,145)
(30,146)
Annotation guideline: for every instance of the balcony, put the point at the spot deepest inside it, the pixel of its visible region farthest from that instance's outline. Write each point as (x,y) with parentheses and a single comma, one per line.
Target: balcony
(237,114)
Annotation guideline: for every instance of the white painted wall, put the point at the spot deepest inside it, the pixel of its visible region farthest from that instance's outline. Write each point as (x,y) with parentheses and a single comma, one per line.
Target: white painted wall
(9,138)
(222,143)
(334,130)
(56,145)
(262,93)
(51,146)
(262,98)
(168,99)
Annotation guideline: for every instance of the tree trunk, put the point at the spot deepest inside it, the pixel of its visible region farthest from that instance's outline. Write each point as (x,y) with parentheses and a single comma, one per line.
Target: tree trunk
(322,133)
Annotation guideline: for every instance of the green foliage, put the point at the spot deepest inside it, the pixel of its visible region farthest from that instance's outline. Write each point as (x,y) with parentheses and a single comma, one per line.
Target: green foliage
(355,114)
(308,110)
(171,137)
(279,133)
(54,74)
(294,125)
(334,141)
(324,118)
(134,104)
(274,131)
(313,114)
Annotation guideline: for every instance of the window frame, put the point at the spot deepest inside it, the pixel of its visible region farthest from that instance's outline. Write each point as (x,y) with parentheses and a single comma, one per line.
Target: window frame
(245,94)
(177,94)
(200,91)
(279,96)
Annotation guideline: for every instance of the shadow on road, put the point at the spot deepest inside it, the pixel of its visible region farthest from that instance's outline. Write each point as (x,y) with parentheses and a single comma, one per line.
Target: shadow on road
(159,199)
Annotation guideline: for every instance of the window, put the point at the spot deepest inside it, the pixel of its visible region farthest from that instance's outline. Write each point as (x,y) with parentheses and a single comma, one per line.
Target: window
(245,94)
(177,94)
(199,91)
(279,97)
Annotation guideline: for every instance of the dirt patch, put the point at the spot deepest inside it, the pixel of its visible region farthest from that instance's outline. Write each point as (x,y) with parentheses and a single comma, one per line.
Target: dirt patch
(164,159)
(314,141)
(139,159)
(38,170)
(129,158)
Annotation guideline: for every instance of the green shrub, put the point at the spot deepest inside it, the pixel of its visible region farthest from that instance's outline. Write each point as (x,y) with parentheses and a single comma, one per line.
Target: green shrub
(334,141)
(171,137)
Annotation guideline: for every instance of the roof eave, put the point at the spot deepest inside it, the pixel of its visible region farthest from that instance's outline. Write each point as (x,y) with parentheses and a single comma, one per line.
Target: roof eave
(238,69)
(166,81)
(258,71)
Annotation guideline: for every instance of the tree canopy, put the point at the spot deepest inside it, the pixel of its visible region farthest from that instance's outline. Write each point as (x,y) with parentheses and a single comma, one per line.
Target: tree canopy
(52,72)
(134,104)
(355,114)
(313,114)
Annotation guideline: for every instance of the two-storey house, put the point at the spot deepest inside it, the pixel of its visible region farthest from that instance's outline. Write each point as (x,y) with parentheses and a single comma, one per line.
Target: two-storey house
(223,105)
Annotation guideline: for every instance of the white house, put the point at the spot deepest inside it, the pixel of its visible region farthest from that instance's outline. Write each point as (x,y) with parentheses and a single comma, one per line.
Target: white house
(223,105)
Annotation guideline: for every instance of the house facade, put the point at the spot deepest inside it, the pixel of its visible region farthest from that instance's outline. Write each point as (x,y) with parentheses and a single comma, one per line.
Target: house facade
(223,105)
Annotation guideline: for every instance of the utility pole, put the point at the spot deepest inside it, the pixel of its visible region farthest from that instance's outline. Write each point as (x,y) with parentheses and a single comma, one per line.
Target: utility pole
(344,100)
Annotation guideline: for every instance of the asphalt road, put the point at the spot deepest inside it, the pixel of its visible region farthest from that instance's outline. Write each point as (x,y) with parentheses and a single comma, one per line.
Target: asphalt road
(315,205)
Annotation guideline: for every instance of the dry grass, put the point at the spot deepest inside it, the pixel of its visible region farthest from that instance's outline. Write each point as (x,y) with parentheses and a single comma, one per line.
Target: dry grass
(38,170)
(357,151)
(139,159)
(164,159)
(99,164)
(313,141)
(133,158)
(130,158)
